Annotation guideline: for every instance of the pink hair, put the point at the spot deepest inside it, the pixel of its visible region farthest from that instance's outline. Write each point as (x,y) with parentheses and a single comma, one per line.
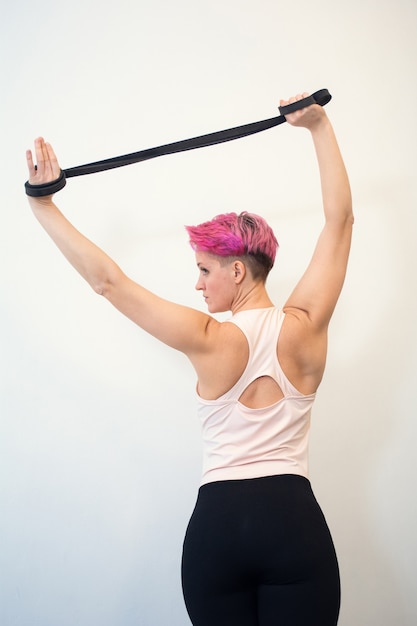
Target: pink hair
(236,235)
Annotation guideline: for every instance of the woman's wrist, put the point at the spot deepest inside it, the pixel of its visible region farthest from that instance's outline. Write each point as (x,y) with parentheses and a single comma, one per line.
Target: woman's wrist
(321,126)
(41,203)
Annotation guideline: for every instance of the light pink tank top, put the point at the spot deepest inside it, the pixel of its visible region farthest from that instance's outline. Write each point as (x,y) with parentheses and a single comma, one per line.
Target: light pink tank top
(240,442)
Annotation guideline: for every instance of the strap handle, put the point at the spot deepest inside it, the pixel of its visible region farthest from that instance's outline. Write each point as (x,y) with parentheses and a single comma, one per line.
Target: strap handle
(321,97)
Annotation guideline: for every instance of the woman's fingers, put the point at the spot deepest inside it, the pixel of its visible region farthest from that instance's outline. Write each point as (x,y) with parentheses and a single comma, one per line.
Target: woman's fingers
(304,116)
(47,167)
(31,166)
(39,152)
(52,158)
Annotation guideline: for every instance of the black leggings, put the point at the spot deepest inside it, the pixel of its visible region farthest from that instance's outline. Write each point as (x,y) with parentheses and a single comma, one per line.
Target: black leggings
(258,552)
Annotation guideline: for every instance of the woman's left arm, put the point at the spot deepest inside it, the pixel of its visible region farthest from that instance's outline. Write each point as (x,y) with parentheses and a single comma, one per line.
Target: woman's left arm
(318,290)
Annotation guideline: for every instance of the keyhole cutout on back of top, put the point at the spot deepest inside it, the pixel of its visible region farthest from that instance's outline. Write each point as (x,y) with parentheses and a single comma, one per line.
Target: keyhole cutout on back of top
(261,392)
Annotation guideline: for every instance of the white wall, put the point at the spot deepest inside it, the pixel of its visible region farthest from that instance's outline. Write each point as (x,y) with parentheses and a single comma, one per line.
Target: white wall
(100,448)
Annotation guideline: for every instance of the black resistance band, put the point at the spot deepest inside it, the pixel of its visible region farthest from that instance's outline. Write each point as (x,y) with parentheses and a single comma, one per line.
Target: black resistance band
(320,97)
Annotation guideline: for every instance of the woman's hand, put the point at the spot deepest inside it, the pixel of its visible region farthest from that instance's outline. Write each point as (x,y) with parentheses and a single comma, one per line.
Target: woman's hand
(46,170)
(309,117)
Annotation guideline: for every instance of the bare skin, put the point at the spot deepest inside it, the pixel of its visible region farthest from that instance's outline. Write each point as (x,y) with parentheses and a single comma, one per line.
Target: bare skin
(218,350)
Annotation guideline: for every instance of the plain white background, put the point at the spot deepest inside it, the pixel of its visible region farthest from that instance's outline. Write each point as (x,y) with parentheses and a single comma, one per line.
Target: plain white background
(99,445)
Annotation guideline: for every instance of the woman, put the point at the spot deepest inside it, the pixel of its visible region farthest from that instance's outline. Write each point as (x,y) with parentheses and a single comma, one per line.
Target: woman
(257,551)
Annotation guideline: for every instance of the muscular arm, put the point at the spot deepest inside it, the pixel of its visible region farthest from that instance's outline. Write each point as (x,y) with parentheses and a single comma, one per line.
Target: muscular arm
(312,302)
(317,292)
(180,327)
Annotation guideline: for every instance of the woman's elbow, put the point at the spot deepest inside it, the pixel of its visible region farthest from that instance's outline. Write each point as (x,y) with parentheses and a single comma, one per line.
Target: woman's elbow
(105,283)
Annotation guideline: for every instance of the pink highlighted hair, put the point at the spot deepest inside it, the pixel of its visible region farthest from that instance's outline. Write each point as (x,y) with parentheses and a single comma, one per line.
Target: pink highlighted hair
(236,235)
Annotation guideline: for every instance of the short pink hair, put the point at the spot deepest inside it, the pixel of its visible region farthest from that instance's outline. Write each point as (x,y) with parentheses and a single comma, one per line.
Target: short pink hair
(231,234)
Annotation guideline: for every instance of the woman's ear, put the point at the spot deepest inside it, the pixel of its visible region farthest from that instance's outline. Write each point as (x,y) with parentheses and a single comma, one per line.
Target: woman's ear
(239,271)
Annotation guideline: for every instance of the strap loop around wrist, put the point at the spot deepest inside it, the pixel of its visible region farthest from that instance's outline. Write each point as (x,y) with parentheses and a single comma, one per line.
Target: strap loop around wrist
(46,189)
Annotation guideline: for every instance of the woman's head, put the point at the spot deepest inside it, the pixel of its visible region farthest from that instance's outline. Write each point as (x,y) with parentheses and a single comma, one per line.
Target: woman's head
(232,235)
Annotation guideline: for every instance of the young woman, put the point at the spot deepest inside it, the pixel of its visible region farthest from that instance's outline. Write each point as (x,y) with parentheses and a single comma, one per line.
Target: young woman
(257,551)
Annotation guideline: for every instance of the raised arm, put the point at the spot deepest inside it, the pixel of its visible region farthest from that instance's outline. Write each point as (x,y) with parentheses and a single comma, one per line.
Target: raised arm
(302,346)
(180,327)
(317,292)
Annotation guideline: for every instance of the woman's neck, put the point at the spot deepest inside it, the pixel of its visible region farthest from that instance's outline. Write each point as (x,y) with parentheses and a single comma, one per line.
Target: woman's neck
(254,297)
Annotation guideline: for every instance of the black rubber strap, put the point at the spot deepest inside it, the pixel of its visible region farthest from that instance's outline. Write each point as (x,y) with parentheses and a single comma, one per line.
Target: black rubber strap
(321,97)
(47,189)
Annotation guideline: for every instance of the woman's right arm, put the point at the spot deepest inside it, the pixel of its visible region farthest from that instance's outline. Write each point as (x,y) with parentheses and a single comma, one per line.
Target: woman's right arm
(180,327)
